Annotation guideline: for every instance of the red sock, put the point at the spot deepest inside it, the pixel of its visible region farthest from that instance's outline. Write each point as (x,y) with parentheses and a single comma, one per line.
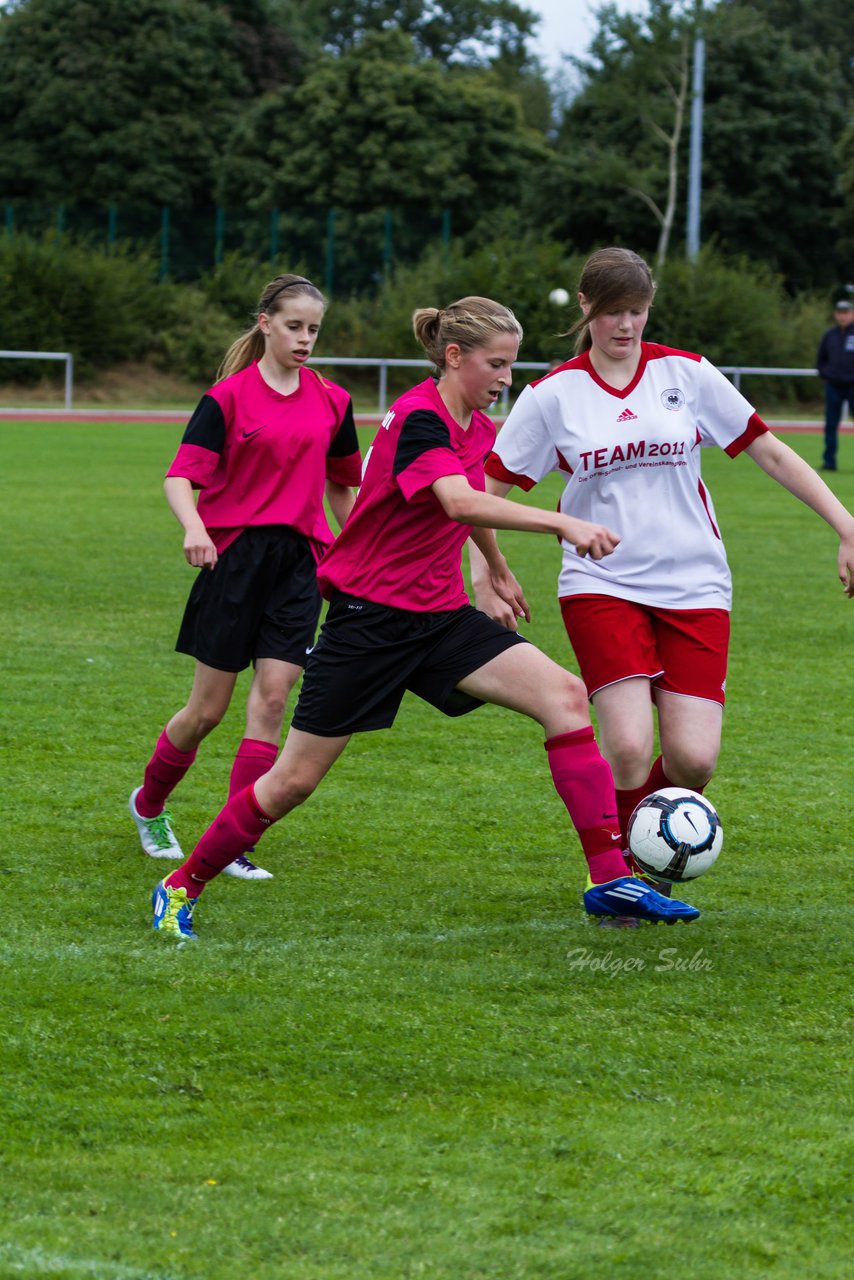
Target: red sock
(163,772)
(237,827)
(254,758)
(627,801)
(584,783)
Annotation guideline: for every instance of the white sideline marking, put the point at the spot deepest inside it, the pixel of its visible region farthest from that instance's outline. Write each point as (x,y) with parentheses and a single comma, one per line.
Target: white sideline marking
(23,1262)
(370,939)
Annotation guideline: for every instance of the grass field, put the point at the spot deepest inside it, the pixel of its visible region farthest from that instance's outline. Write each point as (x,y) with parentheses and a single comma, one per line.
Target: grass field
(409,1055)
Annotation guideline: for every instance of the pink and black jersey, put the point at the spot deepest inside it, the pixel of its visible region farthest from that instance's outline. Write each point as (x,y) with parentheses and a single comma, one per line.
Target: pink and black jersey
(398,546)
(262,458)
(630,460)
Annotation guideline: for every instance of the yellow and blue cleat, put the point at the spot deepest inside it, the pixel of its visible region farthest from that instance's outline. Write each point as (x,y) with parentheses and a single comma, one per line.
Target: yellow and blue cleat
(173,912)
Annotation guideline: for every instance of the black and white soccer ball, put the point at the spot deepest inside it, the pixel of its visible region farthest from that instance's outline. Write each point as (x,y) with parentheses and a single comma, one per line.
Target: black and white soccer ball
(675,834)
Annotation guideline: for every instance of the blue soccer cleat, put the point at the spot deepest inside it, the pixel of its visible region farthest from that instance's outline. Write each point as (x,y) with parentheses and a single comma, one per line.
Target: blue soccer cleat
(629,897)
(173,912)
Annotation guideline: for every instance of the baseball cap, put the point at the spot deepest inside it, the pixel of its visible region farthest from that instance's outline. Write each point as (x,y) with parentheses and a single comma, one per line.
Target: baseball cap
(842,305)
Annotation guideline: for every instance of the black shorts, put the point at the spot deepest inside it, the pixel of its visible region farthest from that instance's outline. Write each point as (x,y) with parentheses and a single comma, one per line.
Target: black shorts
(369,654)
(260,601)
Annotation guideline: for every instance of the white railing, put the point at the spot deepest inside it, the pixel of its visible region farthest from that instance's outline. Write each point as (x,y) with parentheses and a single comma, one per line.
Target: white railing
(384,363)
(49,355)
(736,372)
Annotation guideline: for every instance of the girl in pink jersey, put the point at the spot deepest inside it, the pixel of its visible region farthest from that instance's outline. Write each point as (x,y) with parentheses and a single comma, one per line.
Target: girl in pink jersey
(264,445)
(399,620)
(623,423)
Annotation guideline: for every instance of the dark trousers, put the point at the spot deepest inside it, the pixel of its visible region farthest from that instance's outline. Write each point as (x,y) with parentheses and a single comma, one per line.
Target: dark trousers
(836,395)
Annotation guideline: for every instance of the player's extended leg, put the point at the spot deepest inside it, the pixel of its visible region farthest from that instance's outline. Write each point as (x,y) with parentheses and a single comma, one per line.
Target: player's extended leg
(174,754)
(305,760)
(525,680)
(625,720)
(271,685)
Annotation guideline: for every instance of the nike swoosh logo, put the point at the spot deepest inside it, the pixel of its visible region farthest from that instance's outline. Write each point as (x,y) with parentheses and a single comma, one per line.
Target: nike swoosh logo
(247,435)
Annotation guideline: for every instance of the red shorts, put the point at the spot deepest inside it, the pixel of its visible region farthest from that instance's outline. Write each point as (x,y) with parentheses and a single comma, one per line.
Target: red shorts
(678,650)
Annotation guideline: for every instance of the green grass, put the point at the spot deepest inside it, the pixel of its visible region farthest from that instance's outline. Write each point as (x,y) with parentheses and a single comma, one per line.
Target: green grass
(409,1055)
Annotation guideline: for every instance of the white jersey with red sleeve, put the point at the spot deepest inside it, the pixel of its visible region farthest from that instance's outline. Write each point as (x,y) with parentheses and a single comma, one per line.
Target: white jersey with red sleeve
(631,461)
(398,546)
(262,458)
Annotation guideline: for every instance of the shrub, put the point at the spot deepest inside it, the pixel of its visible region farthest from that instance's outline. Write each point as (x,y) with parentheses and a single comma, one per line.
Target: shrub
(63,295)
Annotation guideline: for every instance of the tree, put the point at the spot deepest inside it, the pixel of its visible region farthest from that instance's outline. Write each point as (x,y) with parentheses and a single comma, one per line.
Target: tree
(773,115)
(467,30)
(845,213)
(378,128)
(821,24)
(101,101)
(620,143)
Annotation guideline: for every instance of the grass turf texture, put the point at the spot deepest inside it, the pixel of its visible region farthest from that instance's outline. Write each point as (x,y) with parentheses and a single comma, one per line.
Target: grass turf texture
(409,1055)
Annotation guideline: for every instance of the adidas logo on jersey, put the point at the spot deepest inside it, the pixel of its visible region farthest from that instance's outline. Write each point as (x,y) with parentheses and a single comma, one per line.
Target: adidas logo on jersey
(627,416)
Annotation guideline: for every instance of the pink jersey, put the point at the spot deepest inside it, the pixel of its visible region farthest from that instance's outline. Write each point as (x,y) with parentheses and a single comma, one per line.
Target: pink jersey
(630,459)
(261,458)
(398,546)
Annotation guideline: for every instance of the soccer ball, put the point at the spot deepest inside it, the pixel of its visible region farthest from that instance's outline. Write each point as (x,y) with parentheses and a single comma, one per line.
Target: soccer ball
(675,834)
(559,297)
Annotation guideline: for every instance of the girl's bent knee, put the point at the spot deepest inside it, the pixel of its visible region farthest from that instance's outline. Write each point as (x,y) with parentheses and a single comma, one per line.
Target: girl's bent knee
(290,792)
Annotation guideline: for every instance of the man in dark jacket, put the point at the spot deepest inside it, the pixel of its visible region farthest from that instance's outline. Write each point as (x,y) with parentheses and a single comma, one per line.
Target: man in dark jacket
(835,364)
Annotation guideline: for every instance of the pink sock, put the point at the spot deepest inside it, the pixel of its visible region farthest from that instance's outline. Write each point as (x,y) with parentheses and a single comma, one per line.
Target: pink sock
(237,827)
(254,758)
(584,783)
(163,772)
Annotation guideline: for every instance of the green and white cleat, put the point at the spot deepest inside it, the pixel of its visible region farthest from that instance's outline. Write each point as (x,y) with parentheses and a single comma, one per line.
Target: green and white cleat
(156,836)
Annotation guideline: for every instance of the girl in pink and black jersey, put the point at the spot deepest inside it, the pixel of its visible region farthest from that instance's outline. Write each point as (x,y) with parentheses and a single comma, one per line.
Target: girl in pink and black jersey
(399,620)
(263,447)
(623,422)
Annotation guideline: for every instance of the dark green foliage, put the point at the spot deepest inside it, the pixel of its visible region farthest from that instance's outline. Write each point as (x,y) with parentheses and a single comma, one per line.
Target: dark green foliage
(108,308)
(111,102)
(774,112)
(62,296)
(105,308)
(375,129)
(405,120)
(462,29)
(822,24)
(775,107)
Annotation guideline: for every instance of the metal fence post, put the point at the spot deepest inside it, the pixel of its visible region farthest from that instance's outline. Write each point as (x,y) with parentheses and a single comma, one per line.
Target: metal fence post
(219,235)
(164,242)
(274,236)
(329,272)
(383,386)
(387,242)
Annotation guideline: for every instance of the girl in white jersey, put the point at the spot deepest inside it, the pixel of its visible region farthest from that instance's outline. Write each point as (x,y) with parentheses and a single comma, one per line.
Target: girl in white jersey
(399,620)
(263,446)
(624,423)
